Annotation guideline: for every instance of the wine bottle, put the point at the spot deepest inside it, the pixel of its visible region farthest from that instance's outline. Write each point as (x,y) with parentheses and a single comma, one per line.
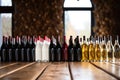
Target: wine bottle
(45,49)
(28,47)
(117,49)
(52,49)
(23,48)
(58,50)
(110,50)
(3,50)
(64,50)
(97,49)
(103,48)
(38,49)
(13,49)
(32,48)
(18,49)
(71,50)
(9,49)
(77,50)
(85,55)
(91,50)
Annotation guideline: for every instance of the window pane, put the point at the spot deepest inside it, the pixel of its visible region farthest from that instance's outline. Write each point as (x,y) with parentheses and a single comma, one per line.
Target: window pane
(77,3)
(6,19)
(6,2)
(77,23)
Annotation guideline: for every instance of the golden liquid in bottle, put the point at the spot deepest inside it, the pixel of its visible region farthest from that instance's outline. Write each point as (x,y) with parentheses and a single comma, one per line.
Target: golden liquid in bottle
(97,52)
(117,51)
(104,54)
(85,52)
(91,52)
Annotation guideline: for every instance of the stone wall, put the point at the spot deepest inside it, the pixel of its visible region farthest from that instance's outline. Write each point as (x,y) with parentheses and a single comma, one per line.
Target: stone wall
(44,17)
(107,17)
(38,17)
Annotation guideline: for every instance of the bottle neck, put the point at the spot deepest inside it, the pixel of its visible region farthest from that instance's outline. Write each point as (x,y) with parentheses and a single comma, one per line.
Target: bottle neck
(116,42)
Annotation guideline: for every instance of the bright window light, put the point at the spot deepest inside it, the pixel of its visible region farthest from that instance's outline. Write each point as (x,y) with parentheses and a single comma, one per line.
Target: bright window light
(77,22)
(6,3)
(6,19)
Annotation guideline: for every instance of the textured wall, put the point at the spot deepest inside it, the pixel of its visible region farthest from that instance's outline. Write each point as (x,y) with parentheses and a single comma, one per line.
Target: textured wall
(38,17)
(107,16)
(44,17)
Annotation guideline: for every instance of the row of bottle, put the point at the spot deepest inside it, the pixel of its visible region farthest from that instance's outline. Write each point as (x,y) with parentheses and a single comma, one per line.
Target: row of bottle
(28,48)
(94,49)
(64,52)
(17,49)
(102,49)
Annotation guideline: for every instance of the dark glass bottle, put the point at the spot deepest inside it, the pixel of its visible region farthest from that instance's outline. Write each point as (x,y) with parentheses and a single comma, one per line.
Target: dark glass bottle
(32,48)
(52,50)
(9,49)
(58,50)
(3,50)
(13,50)
(23,48)
(77,50)
(27,49)
(71,50)
(17,56)
(64,50)
(17,49)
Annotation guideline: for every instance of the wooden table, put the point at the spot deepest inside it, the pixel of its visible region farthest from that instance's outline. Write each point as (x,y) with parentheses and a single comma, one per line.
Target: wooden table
(60,71)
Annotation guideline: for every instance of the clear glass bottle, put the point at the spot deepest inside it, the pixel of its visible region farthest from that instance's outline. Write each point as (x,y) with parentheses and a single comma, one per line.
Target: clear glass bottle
(97,50)
(110,50)
(91,50)
(117,49)
(85,54)
(103,48)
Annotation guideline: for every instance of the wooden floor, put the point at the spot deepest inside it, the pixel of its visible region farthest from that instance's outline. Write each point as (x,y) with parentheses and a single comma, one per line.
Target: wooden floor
(60,71)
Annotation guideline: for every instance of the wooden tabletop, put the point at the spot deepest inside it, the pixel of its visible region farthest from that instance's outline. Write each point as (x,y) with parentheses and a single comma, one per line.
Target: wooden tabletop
(60,71)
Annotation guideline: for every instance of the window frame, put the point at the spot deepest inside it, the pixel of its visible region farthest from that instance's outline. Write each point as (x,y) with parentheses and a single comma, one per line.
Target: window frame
(79,9)
(8,9)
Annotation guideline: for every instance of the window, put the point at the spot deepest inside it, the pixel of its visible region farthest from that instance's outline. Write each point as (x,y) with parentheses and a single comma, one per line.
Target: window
(6,24)
(6,3)
(6,11)
(77,18)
